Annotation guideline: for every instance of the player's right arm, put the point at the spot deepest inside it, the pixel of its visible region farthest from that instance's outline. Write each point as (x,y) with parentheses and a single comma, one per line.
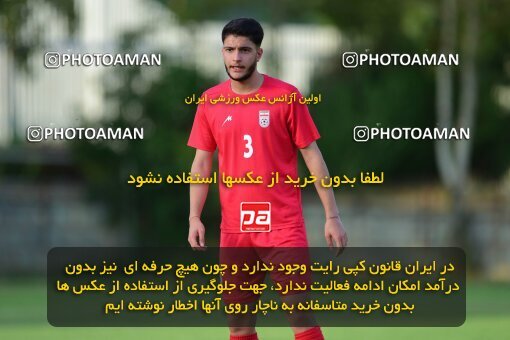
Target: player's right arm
(202,165)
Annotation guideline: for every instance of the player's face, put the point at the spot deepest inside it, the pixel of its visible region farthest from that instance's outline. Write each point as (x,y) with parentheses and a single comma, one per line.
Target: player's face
(240,56)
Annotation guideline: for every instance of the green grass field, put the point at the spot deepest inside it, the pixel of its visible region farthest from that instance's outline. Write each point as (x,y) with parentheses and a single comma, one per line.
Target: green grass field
(23,316)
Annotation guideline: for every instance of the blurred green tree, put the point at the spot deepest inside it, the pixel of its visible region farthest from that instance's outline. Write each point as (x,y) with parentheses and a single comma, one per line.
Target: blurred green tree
(396,96)
(390,96)
(22,39)
(158,215)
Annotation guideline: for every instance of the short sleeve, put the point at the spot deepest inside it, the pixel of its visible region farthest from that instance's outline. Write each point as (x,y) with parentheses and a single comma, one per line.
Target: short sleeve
(201,136)
(301,126)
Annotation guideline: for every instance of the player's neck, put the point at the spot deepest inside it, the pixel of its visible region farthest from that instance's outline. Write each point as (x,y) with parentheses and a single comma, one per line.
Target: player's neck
(249,85)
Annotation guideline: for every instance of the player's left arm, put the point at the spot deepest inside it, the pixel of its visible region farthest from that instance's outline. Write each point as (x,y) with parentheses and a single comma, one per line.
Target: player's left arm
(333,229)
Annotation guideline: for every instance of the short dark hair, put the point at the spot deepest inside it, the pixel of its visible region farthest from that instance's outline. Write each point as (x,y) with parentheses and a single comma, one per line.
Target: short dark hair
(244,27)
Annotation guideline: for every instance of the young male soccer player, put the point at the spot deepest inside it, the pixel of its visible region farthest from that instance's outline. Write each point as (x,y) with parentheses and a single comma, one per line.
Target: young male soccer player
(262,138)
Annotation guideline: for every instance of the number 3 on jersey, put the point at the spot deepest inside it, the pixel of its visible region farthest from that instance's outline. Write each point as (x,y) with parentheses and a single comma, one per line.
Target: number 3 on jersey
(248,146)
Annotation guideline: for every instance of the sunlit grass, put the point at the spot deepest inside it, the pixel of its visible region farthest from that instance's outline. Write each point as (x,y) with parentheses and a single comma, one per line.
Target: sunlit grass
(23,316)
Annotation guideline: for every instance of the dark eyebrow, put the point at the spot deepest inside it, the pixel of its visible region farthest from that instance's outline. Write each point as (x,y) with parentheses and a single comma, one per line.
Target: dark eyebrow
(240,47)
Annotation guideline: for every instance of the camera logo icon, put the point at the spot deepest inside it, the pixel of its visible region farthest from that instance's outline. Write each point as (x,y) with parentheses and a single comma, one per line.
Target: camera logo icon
(361,133)
(52,60)
(35,133)
(350,59)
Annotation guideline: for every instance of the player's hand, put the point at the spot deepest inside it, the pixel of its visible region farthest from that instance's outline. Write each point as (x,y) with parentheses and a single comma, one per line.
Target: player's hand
(335,234)
(196,236)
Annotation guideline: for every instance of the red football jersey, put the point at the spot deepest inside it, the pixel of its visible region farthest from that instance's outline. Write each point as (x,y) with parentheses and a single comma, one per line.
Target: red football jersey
(259,137)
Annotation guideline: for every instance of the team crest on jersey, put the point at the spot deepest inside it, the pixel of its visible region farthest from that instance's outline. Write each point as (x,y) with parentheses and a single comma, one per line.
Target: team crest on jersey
(264,118)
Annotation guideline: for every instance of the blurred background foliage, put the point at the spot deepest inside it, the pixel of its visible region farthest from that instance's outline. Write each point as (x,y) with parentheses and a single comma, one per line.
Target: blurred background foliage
(372,96)
(22,41)
(157,214)
(388,96)
(410,207)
